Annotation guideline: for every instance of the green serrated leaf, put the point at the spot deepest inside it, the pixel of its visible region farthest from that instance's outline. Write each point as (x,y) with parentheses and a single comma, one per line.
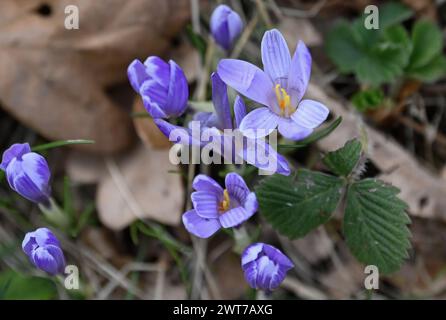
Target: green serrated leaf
(343,161)
(431,72)
(295,207)
(375,225)
(17,286)
(368,99)
(318,135)
(427,42)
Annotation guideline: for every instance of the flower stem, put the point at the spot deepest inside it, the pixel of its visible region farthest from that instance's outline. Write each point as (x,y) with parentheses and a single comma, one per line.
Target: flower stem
(55,214)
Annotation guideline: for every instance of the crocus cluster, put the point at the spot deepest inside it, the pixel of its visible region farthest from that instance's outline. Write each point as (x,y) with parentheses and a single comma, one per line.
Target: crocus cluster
(216,208)
(27,173)
(44,251)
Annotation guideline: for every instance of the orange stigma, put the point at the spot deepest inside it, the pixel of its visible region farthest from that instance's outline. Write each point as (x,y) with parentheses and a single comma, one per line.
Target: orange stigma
(225,203)
(283,99)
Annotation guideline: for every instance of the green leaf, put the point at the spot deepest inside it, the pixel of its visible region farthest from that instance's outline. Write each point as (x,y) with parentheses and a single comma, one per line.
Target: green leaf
(295,208)
(60,143)
(368,99)
(393,13)
(15,286)
(343,46)
(375,225)
(316,136)
(427,42)
(430,72)
(343,161)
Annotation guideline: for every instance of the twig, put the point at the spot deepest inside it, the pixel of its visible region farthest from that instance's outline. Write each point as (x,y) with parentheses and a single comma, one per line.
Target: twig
(246,34)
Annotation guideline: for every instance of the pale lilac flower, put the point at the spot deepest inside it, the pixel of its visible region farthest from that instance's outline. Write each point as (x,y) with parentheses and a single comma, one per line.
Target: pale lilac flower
(215,207)
(162,86)
(43,250)
(264,266)
(226,26)
(27,173)
(280,87)
(255,151)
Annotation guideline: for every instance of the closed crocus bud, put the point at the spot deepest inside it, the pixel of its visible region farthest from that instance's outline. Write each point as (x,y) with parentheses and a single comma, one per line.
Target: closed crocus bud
(43,250)
(27,173)
(264,266)
(226,26)
(162,86)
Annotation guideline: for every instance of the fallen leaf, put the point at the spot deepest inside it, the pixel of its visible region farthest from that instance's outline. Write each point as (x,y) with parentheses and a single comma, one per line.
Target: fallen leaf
(147,130)
(54,79)
(140,186)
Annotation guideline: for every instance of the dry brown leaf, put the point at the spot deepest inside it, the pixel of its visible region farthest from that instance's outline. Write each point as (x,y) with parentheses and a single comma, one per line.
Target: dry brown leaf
(54,79)
(84,168)
(147,130)
(140,186)
(299,29)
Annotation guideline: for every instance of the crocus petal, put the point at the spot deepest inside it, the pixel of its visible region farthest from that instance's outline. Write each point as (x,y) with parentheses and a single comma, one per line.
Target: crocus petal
(277,277)
(250,271)
(276,57)
(205,204)
(178,93)
(36,168)
(293,131)
(29,243)
(259,123)
(310,114)
(204,183)
(251,253)
(17,150)
(277,255)
(198,226)
(234,217)
(260,154)
(225,26)
(299,75)
(137,74)
(44,237)
(239,110)
(20,182)
(152,99)
(266,270)
(247,79)
(43,260)
(177,134)
(236,187)
(221,102)
(158,70)
(251,204)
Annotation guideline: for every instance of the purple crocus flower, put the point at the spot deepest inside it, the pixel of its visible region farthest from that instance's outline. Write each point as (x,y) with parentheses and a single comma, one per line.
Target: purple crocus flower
(162,86)
(215,208)
(254,150)
(264,266)
(43,250)
(226,26)
(280,87)
(27,173)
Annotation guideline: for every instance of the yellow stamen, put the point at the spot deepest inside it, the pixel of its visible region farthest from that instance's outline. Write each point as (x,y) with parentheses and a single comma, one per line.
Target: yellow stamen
(283,99)
(224,205)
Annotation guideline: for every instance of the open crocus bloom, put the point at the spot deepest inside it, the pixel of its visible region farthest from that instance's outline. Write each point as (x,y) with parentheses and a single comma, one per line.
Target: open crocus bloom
(280,87)
(254,151)
(215,208)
